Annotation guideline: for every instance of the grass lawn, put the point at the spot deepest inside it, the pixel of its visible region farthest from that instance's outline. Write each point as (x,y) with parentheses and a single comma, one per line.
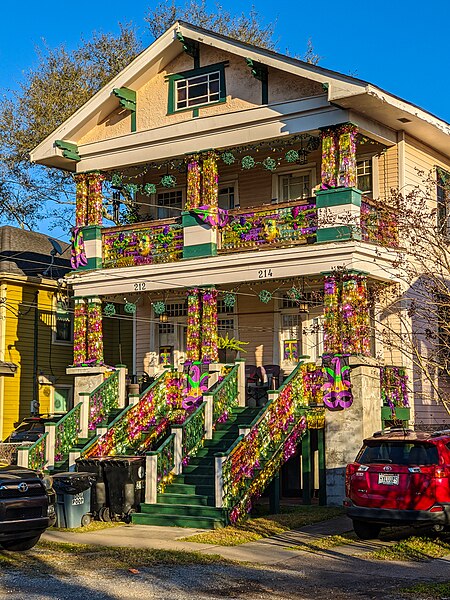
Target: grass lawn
(414,549)
(325,543)
(93,526)
(291,517)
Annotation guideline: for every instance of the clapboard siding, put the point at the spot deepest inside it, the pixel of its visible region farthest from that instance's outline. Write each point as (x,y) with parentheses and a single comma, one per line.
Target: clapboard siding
(144,317)
(420,168)
(388,172)
(118,338)
(256,325)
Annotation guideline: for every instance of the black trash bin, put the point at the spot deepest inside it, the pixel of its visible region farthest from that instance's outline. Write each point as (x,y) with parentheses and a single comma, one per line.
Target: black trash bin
(125,480)
(73,498)
(99,493)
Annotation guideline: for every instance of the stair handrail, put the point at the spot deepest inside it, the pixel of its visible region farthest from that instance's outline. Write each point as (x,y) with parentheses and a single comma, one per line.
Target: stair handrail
(67,432)
(278,426)
(103,399)
(126,429)
(222,399)
(33,456)
(189,437)
(159,469)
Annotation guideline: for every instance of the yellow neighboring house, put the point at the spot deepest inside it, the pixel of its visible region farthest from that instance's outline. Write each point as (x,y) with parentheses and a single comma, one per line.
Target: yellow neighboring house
(35,327)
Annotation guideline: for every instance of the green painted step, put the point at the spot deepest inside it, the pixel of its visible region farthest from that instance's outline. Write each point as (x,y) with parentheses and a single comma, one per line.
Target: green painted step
(210,512)
(177,521)
(185,499)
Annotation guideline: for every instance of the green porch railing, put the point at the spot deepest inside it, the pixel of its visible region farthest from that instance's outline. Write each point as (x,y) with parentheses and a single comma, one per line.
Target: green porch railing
(379,224)
(103,400)
(67,432)
(160,468)
(189,437)
(33,456)
(244,471)
(225,396)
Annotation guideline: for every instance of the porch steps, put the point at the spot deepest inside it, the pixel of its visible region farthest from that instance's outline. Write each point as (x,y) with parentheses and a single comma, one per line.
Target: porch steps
(189,500)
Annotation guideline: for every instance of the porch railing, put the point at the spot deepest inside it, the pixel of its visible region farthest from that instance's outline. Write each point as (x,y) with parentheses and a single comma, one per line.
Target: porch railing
(160,468)
(285,224)
(67,432)
(189,437)
(379,224)
(142,244)
(243,472)
(103,400)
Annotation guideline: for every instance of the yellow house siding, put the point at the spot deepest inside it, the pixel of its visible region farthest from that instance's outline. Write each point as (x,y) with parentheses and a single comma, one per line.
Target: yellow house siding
(388,172)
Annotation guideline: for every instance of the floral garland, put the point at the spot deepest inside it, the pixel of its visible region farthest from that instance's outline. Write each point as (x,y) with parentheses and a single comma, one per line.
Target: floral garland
(347,156)
(95,203)
(94,331)
(209,352)
(329,159)
(81,195)
(79,333)
(193,198)
(393,384)
(193,326)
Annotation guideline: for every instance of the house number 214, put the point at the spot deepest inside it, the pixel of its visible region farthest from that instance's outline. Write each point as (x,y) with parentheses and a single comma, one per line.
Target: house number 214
(263,273)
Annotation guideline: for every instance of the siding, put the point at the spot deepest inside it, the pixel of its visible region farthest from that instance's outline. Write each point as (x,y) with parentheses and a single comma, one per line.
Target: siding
(420,163)
(388,172)
(118,339)
(256,325)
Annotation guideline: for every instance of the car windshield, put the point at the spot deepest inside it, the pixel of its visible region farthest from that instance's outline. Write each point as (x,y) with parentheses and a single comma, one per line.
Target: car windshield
(398,453)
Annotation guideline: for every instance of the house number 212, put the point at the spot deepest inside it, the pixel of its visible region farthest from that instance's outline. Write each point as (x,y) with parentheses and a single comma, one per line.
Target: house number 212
(263,273)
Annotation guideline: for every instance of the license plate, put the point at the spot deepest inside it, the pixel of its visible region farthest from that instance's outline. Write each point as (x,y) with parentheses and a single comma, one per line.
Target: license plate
(386,479)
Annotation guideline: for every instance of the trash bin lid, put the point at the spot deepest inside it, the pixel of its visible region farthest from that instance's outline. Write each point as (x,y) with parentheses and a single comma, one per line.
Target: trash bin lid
(72,482)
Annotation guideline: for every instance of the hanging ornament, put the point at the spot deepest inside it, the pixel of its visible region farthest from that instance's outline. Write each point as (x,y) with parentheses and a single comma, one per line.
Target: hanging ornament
(116,180)
(131,188)
(228,158)
(229,300)
(109,310)
(168,181)
(265,296)
(130,308)
(294,293)
(159,308)
(270,163)
(292,156)
(149,189)
(248,162)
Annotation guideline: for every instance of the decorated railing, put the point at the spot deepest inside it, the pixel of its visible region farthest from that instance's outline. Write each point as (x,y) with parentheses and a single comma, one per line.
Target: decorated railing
(103,400)
(244,471)
(141,424)
(283,224)
(379,224)
(189,436)
(142,244)
(160,468)
(67,432)
(11,453)
(394,394)
(225,396)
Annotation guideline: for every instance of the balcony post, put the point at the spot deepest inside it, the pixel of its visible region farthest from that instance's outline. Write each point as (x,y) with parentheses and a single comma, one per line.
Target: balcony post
(86,235)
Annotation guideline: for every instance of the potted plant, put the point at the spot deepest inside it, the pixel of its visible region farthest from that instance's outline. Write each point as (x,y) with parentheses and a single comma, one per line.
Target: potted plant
(228,348)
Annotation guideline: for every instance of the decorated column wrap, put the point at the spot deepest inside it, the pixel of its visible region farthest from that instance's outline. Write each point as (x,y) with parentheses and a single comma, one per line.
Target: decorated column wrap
(209,352)
(193,326)
(94,331)
(193,183)
(347,156)
(95,202)
(346,315)
(329,159)
(210,182)
(79,332)
(81,195)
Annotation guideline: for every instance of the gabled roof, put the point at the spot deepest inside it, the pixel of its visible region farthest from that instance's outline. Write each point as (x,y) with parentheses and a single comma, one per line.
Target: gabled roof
(342,90)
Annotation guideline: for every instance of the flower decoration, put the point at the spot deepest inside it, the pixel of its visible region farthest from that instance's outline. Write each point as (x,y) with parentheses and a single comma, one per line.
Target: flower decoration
(292,156)
(149,189)
(130,308)
(248,162)
(265,296)
(229,299)
(109,310)
(270,163)
(168,181)
(228,158)
(159,308)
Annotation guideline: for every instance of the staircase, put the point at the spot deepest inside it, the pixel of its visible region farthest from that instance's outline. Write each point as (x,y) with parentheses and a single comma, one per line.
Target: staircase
(189,501)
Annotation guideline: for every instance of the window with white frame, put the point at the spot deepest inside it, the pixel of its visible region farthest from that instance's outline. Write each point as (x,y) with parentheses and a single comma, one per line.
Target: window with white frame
(295,186)
(364,176)
(227,197)
(197,90)
(63,323)
(169,203)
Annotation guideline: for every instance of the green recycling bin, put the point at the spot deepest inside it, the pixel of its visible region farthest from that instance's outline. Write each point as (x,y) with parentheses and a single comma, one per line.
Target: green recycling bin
(73,499)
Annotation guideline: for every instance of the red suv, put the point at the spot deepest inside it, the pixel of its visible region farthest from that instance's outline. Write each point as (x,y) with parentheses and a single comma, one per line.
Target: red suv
(399,478)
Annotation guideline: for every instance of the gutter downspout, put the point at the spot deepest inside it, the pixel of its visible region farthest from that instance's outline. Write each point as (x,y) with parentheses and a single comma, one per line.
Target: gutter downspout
(3,293)
(35,355)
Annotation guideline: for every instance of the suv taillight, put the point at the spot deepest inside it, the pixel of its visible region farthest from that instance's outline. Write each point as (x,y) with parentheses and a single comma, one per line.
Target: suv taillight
(441,472)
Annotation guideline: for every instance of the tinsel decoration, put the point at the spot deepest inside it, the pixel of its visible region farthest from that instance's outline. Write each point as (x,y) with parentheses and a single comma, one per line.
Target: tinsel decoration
(109,310)
(209,333)
(292,156)
(210,181)
(229,300)
(193,326)
(347,156)
(265,296)
(294,294)
(270,163)
(332,332)
(193,199)
(248,162)
(116,181)
(95,201)
(329,159)
(159,308)
(130,308)
(393,384)
(94,331)
(168,181)
(149,189)
(131,189)
(81,199)
(228,158)
(79,332)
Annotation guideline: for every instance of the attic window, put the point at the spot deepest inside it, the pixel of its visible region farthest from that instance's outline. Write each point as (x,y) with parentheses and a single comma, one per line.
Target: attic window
(196,88)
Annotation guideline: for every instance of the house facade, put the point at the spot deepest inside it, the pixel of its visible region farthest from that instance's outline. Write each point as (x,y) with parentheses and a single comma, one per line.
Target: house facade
(259,204)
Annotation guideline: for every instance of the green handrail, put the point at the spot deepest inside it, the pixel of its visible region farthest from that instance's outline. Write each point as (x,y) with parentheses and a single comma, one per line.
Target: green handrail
(67,431)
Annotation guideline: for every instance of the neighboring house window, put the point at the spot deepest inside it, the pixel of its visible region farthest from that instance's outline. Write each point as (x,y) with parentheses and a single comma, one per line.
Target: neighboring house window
(443,201)
(198,87)
(295,186)
(169,204)
(364,176)
(227,198)
(63,329)
(62,399)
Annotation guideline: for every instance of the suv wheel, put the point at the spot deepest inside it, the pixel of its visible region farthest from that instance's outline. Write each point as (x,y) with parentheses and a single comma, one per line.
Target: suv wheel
(21,545)
(366,531)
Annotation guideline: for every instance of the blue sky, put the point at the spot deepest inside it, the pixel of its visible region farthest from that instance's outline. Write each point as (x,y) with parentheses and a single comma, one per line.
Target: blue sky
(398,45)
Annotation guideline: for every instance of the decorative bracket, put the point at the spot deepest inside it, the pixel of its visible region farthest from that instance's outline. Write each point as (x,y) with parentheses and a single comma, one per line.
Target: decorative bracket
(70,150)
(260,72)
(127,99)
(191,47)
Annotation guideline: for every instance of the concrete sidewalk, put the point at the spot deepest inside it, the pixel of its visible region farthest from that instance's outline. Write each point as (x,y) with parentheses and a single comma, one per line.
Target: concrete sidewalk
(268,551)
